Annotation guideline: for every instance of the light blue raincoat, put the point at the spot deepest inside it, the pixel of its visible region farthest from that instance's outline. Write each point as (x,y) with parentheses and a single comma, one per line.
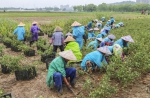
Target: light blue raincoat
(96,57)
(91,35)
(78,33)
(20,31)
(121,43)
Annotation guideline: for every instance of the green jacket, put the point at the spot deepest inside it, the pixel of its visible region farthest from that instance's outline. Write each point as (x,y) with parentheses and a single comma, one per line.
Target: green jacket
(74,46)
(57,65)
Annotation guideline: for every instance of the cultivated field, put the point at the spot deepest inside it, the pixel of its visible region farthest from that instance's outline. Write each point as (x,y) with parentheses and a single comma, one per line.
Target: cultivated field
(128,79)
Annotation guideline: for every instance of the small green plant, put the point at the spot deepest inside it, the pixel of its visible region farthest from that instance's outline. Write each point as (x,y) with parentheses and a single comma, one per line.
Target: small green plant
(87,84)
(1,50)
(7,40)
(104,89)
(24,47)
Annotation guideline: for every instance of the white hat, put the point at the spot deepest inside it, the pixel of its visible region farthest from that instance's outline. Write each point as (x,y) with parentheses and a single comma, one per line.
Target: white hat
(21,24)
(76,24)
(128,38)
(104,50)
(111,36)
(58,29)
(99,39)
(69,38)
(69,34)
(96,29)
(34,22)
(108,20)
(91,29)
(68,54)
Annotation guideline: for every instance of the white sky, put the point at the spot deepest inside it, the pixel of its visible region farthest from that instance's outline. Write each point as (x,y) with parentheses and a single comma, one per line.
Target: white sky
(51,3)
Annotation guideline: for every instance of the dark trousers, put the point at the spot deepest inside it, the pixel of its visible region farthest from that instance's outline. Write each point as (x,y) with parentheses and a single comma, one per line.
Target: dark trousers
(60,47)
(58,78)
(31,42)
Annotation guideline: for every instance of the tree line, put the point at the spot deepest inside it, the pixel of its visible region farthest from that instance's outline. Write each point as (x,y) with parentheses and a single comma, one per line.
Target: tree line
(112,7)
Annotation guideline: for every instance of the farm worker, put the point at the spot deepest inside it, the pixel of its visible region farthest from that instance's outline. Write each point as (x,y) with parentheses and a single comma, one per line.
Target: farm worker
(101,35)
(95,44)
(68,34)
(121,24)
(34,30)
(57,39)
(109,40)
(104,32)
(123,41)
(112,20)
(117,26)
(71,44)
(103,19)
(57,71)
(89,25)
(95,59)
(91,34)
(20,31)
(79,33)
(96,20)
(99,24)
(108,23)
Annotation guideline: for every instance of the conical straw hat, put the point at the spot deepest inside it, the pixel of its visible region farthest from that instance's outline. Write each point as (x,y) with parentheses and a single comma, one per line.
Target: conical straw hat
(104,50)
(58,29)
(34,22)
(99,39)
(76,24)
(96,29)
(69,34)
(21,24)
(111,36)
(69,38)
(68,54)
(128,38)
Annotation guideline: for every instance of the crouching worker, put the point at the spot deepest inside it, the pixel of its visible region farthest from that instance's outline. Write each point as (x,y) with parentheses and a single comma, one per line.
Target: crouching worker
(96,43)
(109,40)
(71,44)
(57,72)
(94,59)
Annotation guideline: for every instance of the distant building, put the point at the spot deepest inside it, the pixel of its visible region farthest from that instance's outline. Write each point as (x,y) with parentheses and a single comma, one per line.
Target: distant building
(143,1)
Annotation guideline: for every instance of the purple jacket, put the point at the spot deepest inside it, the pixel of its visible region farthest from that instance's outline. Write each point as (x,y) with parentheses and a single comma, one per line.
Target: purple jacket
(58,38)
(34,29)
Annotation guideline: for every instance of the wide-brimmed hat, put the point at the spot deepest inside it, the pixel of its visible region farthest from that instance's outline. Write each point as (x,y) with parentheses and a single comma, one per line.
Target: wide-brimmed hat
(104,50)
(96,20)
(69,38)
(58,29)
(21,24)
(76,24)
(68,54)
(128,38)
(68,34)
(100,21)
(34,22)
(99,39)
(111,36)
(108,20)
(91,29)
(96,29)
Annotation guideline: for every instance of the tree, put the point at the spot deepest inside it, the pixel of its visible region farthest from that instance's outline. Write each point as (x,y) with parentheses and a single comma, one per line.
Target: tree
(80,8)
(90,7)
(74,8)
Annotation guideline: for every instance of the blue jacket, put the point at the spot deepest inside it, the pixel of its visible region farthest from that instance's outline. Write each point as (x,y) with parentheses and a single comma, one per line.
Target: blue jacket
(103,19)
(117,26)
(94,44)
(78,33)
(20,31)
(96,57)
(89,25)
(121,43)
(112,20)
(91,35)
